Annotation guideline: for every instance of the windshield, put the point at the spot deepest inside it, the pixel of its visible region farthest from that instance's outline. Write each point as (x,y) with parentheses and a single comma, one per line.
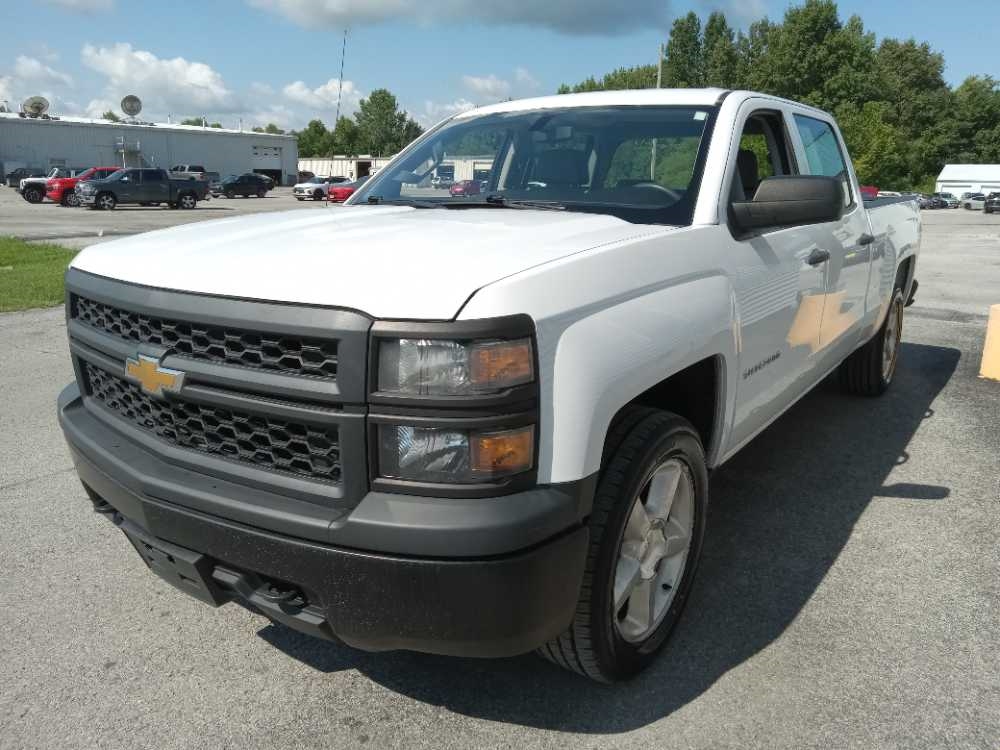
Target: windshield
(642,164)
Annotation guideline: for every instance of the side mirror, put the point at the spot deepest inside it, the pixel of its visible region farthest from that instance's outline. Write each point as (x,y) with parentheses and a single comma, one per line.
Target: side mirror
(790,201)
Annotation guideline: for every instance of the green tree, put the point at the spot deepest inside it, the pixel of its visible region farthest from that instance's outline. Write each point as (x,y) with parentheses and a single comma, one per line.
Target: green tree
(719,52)
(346,137)
(683,66)
(109,115)
(193,121)
(314,140)
(269,128)
(382,128)
(640,77)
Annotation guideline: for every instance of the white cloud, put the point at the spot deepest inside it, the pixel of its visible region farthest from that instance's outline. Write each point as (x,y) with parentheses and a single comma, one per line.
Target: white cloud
(165,85)
(487,86)
(434,112)
(83,6)
(598,17)
(738,12)
(324,97)
(261,89)
(97,107)
(32,71)
(525,80)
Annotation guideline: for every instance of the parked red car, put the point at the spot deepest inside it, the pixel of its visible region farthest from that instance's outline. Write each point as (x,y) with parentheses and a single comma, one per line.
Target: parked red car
(466,187)
(868,192)
(62,189)
(338,193)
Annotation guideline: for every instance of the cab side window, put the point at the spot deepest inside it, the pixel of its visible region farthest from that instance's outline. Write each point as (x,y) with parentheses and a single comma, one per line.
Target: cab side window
(763,152)
(823,152)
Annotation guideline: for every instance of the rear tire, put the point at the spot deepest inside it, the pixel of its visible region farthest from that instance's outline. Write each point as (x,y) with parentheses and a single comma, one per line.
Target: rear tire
(318,195)
(631,598)
(262,193)
(187,201)
(869,370)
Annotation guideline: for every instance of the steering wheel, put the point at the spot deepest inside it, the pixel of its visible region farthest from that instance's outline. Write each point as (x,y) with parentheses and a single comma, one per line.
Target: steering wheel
(656,186)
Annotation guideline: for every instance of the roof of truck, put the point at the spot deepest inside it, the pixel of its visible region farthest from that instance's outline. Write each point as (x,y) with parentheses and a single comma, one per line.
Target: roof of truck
(629,97)
(688,97)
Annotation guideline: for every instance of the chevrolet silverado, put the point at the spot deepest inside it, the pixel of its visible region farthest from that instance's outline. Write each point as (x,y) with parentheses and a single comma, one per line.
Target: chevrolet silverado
(484,424)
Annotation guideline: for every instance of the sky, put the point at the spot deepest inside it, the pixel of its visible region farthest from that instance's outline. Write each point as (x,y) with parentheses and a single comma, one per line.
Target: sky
(260,61)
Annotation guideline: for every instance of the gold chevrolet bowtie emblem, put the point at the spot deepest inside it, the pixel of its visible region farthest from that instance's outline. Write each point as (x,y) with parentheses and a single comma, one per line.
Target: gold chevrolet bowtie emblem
(153,379)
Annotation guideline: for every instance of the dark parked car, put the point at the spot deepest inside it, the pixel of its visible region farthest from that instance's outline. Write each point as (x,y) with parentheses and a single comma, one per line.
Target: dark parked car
(244,185)
(13,179)
(147,187)
(932,202)
(992,204)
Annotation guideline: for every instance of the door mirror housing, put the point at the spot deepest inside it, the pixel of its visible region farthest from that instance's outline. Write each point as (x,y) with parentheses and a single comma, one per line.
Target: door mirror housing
(789,201)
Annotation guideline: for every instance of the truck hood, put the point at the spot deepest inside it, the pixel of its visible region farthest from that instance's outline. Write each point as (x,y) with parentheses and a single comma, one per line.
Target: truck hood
(387,261)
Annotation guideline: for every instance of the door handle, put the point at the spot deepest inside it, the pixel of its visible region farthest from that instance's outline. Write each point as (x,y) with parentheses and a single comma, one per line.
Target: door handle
(818,257)
(865,239)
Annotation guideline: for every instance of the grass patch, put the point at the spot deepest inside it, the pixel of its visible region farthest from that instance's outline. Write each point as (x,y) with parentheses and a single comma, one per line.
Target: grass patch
(31,275)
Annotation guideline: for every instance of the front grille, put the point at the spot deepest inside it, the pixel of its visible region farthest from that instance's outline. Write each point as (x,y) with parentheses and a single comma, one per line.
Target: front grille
(295,355)
(277,445)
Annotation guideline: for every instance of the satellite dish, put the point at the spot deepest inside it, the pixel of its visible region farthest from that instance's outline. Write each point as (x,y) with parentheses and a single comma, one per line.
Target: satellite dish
(131,105)
(36,106)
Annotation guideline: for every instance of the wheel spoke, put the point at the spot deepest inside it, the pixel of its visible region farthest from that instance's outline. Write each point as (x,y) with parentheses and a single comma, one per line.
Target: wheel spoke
(678,538)
(662,489)
(640,607)
(627,575)
(638,523)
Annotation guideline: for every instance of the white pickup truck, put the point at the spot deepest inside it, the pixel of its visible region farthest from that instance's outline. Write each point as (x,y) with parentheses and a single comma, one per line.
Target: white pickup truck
(484,424)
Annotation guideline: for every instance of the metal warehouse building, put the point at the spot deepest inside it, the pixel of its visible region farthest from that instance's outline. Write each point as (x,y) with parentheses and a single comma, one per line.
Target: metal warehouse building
(969,178)
(78,142)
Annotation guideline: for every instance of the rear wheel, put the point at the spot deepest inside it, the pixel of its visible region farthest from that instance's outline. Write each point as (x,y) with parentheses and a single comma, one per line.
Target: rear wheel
(262,193)
(646,532)
(106,202)
(187,201)
(70,199)
(870,369)
(318,195)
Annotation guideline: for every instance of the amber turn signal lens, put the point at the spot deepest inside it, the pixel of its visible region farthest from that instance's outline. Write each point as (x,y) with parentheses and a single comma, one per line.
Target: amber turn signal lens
(501,453)
(502,364)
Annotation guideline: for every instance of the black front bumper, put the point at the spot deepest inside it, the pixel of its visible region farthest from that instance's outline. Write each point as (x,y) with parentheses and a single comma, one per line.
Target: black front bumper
(502,604)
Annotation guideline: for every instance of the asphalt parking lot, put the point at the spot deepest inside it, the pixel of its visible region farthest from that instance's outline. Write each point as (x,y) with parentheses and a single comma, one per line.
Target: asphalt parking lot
(848,594)
(78,227)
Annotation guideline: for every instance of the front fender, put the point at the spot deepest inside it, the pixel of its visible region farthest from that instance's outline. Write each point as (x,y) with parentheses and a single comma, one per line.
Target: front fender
(600,362)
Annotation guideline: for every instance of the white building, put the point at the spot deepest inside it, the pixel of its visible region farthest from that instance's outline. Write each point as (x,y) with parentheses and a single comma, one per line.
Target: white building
(78,142)
(344,166)
(969,178)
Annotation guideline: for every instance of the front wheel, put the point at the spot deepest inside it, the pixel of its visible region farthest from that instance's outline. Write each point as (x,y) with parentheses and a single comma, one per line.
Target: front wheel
(646,533)
(262,193)
(870,369)
(33,195)
(230,193)
(318,195)
(106,202)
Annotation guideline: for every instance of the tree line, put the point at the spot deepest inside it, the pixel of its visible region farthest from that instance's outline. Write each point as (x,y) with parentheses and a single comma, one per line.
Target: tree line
(901,120)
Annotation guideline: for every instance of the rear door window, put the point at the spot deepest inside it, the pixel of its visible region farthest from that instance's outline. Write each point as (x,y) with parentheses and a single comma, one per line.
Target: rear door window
(823,154)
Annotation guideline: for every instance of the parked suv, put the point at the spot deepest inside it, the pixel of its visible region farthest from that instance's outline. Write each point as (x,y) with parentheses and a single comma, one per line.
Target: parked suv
(14,177)
(189,171)
(245,185)
(950,200)
(992,204)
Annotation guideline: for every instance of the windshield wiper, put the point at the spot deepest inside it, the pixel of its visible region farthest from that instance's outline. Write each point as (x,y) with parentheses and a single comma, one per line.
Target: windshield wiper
(501,201)
(378,200)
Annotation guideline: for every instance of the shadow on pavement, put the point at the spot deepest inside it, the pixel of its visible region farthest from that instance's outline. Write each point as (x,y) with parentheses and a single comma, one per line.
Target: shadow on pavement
(781,512)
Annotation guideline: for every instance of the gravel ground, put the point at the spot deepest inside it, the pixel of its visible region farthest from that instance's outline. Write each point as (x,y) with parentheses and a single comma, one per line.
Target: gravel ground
(848,594)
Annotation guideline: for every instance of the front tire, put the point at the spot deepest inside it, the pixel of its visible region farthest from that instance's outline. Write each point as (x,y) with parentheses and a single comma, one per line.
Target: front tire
(869,370)
(106,202)
(646,532)
(230,193)
(33,195)
(318,195)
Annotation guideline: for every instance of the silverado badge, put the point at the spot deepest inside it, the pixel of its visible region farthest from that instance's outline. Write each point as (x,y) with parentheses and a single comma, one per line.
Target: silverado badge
(153,379)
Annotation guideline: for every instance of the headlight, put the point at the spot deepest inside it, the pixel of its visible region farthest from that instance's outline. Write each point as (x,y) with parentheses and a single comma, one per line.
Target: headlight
(435,367)
(453,456)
